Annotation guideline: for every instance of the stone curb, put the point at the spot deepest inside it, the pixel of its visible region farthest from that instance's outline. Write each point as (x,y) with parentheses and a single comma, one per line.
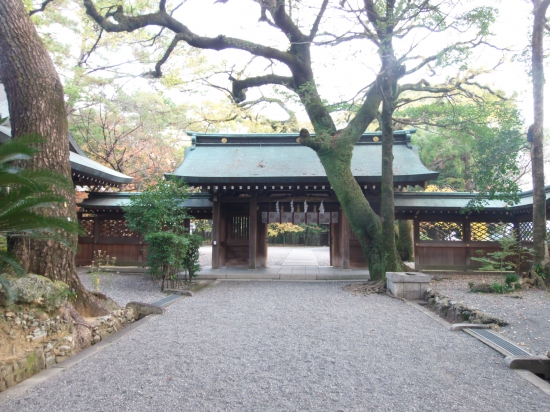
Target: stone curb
(461,326)
(528,376)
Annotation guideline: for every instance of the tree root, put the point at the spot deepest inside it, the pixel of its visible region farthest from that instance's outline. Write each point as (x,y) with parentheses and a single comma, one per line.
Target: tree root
(366,288)
(81,327)
(533,279)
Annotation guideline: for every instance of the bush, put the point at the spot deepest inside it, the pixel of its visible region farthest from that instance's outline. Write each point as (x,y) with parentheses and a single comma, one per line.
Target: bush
(158,214)
(169,254)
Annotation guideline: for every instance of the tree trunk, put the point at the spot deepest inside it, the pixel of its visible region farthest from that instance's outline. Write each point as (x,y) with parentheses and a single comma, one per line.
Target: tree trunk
(36,104)
(390,256)
(537,159)
(405,241)
(363,221)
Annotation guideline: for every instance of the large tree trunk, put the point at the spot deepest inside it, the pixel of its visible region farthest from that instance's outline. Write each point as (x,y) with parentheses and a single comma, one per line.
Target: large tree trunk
(537,159)
(364,222)
(36,103)
(391,258)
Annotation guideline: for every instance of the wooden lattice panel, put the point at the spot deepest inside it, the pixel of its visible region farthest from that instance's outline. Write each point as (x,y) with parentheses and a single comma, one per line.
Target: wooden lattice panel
(441,231)
(87,226)
(238,229)
(490,231)
(116,229)
(526,231)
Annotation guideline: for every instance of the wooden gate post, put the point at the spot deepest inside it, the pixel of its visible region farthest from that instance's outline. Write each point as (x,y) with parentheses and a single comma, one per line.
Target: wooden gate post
(252,232)
(216,233)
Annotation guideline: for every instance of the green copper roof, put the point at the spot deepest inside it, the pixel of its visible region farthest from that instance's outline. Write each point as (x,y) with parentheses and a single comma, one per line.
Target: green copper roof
(116,200)
(279,158)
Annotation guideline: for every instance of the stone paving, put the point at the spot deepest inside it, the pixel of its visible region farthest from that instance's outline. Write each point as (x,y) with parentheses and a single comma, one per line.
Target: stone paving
(287,346)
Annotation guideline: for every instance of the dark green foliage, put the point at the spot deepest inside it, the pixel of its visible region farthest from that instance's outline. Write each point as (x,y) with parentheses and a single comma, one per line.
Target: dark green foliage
(512,255)
(474,145)
(158,208)
(169,254)
(24,192)
(159,215)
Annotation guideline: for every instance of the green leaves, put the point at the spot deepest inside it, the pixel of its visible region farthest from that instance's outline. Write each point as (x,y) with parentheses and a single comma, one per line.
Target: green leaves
(158,213)
(22,194)
(474,145)
(158,208)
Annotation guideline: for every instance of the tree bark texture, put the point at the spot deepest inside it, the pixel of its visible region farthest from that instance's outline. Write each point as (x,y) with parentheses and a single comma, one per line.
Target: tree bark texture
(537,158)
(390,256)
(405,240)
(36,104)
(364,222)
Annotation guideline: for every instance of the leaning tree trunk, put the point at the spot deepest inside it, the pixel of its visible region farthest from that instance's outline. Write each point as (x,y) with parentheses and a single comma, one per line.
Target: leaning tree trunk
(36,104)
(540,245)
(364,222)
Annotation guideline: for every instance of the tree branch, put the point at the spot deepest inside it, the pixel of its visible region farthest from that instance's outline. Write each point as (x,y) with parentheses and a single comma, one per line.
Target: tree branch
(126,23)
(315,26)
(240,86)
(42,7)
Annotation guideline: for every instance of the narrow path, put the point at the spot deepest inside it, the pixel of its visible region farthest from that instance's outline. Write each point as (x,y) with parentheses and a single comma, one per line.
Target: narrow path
(266,346)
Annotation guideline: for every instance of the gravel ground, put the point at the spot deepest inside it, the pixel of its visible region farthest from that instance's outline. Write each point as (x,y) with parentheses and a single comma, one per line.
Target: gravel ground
(123,288)
(527,311)
(288,346)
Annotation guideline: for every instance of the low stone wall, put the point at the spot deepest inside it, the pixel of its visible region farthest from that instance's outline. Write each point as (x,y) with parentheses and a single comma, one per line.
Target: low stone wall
(454,312)
(46,356)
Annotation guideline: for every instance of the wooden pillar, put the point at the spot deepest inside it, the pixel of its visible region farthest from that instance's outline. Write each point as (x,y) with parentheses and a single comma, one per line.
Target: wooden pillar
(336,250)
(344,240)
(252,232)
(187,225)
(223,239)
(97,229)
(261,241)
(416,237)
(216,223)
(467,238)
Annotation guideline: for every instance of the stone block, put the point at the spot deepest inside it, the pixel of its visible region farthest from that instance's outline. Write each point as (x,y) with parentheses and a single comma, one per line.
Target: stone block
(539,365)
(411,286)
(10,381)
(3,386)
(59,359)
(141,309)
(50,361)
(460,326)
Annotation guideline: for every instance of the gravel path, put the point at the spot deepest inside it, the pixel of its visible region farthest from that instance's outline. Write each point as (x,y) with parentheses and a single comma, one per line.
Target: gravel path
(527,311)
(266,346)
(123,288)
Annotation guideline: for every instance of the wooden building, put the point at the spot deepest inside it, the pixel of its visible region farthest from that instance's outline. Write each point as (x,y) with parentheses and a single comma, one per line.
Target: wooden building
(247,181)
(256,179)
